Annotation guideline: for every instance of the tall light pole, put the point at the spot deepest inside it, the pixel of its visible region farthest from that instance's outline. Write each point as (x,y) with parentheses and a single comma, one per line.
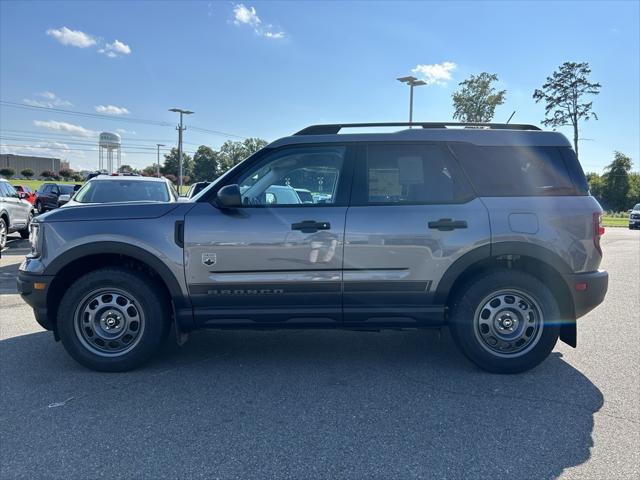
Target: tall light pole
(180,129)
(158,165)
(412,82)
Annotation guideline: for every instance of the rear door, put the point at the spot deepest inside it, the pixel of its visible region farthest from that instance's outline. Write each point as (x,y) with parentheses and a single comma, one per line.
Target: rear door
(412,215)
(276,259)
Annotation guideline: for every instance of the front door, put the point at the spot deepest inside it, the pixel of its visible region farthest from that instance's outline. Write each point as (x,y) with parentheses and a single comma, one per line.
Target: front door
(412,216)
(278,258)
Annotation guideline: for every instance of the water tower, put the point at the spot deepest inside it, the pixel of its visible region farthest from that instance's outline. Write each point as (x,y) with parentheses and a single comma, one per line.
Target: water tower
(108,145)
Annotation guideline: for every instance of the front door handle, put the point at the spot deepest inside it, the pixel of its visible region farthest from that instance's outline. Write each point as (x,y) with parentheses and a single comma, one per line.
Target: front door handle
(310,226)
(447,224)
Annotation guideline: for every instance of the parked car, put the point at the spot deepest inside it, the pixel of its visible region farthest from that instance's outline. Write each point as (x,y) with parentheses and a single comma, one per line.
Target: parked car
(634,217)
(415,230)
(15,213)
(26,193)
(305,195)
(123,188)
(196,188)
(48,195)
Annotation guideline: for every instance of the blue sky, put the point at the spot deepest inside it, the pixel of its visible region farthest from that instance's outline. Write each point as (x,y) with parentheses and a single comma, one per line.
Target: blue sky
(267,69)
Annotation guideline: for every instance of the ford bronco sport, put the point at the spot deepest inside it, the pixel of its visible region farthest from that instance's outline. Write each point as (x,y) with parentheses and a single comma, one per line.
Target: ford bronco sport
(488,229)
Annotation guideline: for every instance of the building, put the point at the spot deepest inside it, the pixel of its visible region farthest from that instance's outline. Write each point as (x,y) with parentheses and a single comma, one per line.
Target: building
(37,164)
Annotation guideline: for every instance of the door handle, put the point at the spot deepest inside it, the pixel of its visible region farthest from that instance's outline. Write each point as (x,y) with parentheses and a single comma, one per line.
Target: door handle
(310,226)
(447,224)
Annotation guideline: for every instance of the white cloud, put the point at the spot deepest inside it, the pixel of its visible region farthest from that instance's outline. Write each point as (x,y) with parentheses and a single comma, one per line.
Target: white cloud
(438,73)
(248,16)
(111,110)
(122,131)
(115,49)
(75,38)
(65,127)
(47,100)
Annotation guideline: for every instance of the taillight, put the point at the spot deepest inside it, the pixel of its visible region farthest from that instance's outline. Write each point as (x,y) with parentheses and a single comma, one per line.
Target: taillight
(598,230)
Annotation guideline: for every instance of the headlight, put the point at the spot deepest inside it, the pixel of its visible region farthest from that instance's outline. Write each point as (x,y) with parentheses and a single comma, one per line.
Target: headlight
(34,239)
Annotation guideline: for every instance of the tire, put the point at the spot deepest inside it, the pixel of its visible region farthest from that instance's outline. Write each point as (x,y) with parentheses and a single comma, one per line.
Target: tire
(4,231)
(24,234)
(505,321)
(113,319)
(39,207)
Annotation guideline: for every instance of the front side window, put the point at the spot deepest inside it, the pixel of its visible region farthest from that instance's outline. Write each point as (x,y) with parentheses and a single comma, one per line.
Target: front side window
(304,176)
(412,173)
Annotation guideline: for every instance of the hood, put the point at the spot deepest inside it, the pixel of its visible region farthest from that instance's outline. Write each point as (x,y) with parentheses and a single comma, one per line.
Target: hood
(108,211)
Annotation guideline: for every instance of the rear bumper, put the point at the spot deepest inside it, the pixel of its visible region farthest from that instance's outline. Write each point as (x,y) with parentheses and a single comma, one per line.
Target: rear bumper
(593,294)
(36,298)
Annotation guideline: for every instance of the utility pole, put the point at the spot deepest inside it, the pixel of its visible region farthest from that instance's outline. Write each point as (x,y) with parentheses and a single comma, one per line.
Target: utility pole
(412,82)
(180,129)
(158,165)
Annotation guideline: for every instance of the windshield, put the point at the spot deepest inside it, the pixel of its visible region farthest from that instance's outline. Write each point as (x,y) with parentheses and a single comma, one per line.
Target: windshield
(66,189)
(112,191)
(637,206)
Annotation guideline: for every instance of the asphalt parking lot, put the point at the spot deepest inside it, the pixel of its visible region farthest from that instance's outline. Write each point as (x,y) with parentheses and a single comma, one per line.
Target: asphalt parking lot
(302,404)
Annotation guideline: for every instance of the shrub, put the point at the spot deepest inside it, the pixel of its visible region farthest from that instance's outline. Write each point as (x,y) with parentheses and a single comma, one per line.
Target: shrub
(7,172)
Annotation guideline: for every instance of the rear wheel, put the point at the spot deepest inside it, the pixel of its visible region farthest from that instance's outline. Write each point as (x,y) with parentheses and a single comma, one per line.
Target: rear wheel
(39,207)
(505,321)
(24,233)
(113,319)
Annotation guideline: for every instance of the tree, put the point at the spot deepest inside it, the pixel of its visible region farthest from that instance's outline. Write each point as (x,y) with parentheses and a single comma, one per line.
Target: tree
(633,197)
(27,173)
(66,173)
(616,182)
(206,164)
(149,171)
(232,153)
(171,167)
(47,174)
(7,172)
(564,93)
(596,185)
(127,169)
(477,100)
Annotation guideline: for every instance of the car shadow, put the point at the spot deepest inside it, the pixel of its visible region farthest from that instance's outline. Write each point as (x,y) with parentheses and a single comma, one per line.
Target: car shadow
(297,404)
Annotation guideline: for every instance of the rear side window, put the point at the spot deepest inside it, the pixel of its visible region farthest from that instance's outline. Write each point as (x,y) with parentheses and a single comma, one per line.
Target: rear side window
(517,171)
(412,174)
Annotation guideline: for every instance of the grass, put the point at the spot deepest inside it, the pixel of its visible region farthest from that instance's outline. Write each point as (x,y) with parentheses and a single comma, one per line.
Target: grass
(35,184)
(608,221)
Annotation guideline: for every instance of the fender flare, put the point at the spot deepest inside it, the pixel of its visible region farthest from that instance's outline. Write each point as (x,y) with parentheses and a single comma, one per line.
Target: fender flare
(181,302)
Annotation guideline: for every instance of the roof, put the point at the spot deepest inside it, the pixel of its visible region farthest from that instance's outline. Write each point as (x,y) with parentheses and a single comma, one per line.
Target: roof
(133,178)
(482,135)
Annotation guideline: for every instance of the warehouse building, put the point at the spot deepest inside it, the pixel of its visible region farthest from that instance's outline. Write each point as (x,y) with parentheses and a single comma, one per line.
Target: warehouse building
(37,164)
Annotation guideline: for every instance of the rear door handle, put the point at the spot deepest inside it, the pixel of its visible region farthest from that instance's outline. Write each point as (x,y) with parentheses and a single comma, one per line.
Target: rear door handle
(447,224)
(310,226)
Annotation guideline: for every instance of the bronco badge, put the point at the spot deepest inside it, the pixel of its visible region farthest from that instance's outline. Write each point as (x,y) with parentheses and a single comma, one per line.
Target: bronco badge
(209,259)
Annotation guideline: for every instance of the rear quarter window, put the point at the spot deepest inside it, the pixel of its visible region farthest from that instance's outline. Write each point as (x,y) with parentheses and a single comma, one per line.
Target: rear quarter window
(517,171)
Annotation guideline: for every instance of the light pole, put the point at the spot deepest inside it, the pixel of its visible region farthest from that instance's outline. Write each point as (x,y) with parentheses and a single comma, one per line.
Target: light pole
(180,129)
(412,82)
(158,166)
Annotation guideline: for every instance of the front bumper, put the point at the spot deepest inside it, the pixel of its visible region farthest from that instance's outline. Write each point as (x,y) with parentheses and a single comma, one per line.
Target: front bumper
(588,290)
(33,289)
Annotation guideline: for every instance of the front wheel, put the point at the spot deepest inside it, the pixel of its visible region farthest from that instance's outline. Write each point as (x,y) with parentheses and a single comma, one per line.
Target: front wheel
(4,231)
(39,207)
(505,321)
(113,319)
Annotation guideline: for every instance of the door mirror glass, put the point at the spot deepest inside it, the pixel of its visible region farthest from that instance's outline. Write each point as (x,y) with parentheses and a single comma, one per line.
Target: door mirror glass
(229,196)
(64,198)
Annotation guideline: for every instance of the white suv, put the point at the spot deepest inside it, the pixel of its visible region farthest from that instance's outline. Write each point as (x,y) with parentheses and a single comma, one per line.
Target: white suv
(15,213)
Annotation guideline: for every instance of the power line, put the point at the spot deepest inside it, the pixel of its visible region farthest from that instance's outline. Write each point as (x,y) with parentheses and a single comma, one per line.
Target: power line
(81,137)
(112,118)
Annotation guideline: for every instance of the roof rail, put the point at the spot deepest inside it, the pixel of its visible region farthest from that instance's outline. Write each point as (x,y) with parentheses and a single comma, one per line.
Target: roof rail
(333,128)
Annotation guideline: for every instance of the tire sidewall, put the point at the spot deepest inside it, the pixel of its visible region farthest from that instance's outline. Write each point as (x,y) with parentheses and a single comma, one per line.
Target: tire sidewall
(464,308)
(39,207)
(3,236)
(143,289)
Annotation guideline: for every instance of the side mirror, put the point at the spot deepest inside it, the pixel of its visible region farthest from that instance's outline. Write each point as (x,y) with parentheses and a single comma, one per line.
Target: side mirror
(64,198)
(22,195)
(229,197)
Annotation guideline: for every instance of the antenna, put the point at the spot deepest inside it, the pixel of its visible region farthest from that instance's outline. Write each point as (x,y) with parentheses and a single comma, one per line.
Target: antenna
(514,112)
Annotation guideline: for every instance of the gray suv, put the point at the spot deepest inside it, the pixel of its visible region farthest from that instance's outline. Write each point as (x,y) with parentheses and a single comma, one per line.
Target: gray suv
(488,229)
